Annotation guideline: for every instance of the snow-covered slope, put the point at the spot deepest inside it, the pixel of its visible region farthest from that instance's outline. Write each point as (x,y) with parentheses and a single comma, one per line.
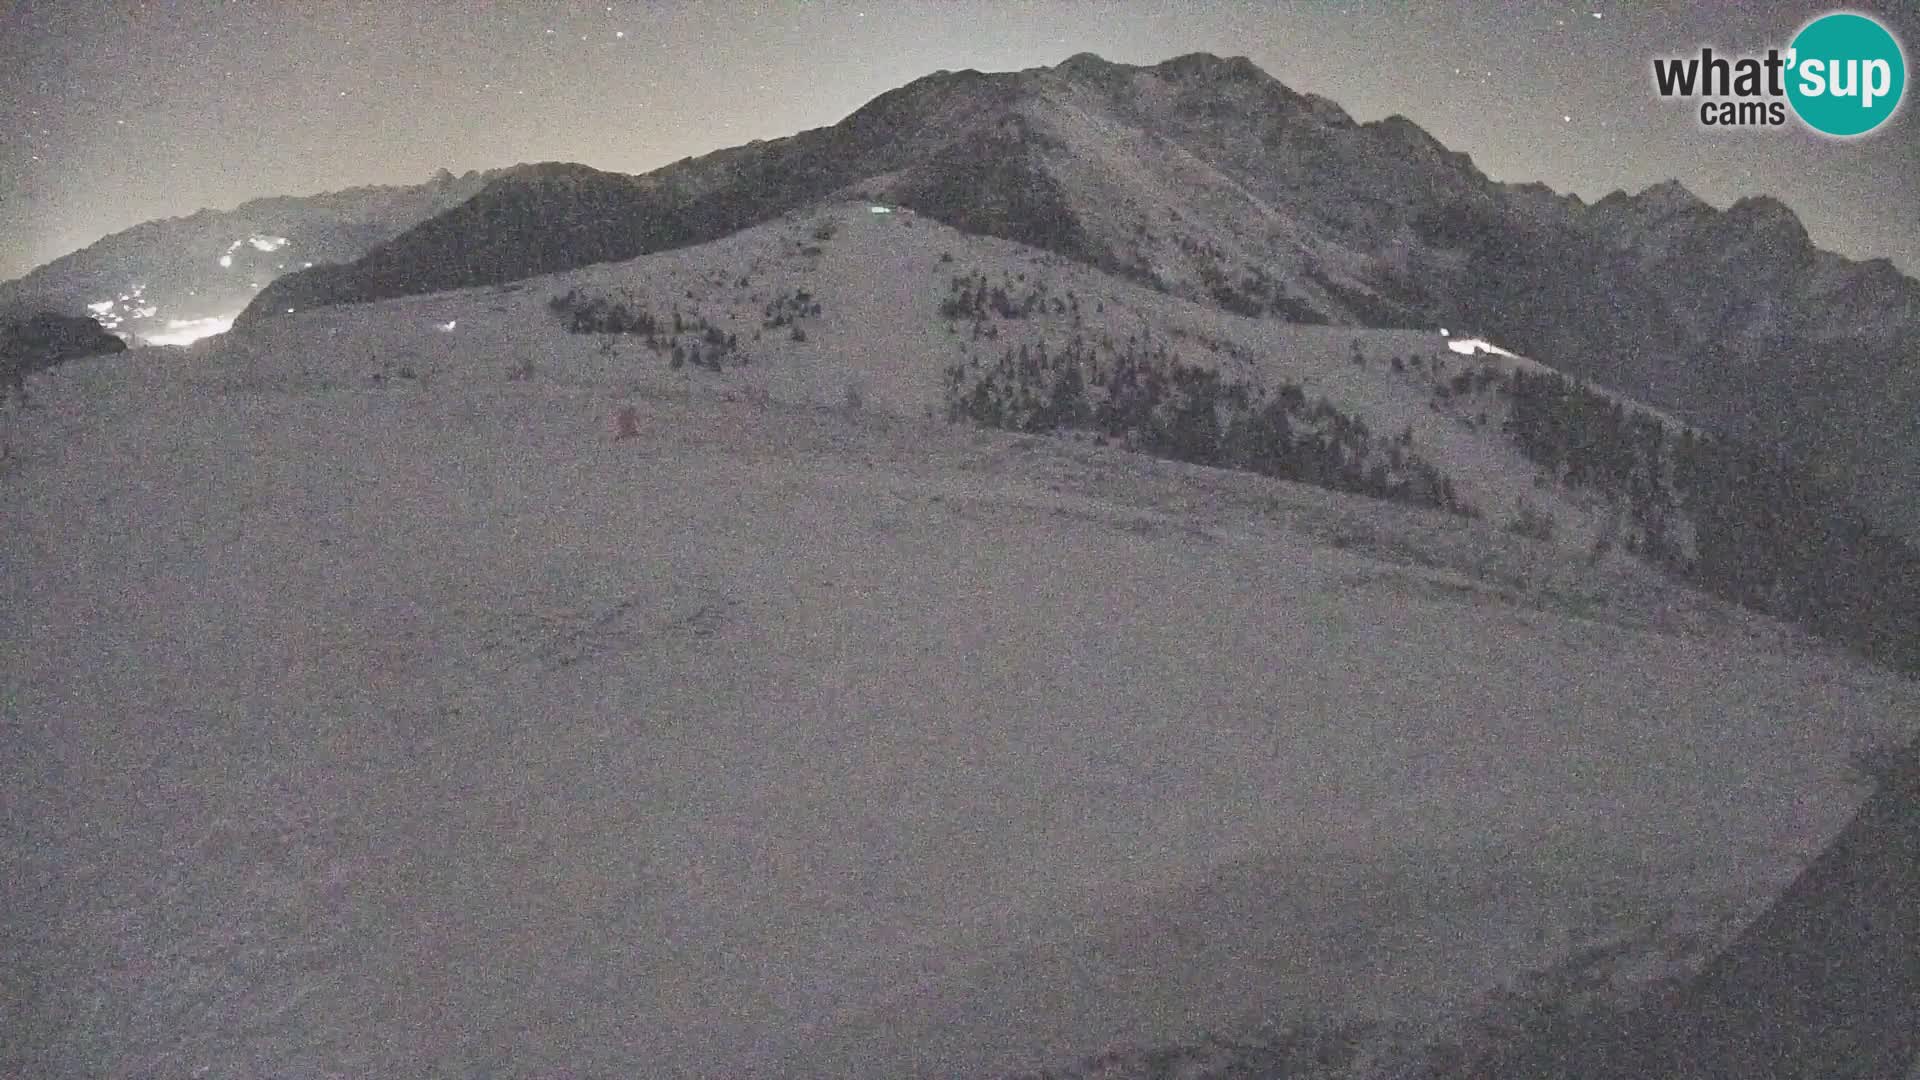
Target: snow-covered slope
(374,709)
(907,315)
(879,281)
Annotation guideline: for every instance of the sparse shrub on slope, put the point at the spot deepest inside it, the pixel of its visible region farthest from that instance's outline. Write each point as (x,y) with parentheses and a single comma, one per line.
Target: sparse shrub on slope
(1532,522)
(626,423)
(13,382)
(1310,1051)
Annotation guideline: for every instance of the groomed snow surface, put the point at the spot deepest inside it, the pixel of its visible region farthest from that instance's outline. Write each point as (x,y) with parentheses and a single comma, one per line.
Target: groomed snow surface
(421,727)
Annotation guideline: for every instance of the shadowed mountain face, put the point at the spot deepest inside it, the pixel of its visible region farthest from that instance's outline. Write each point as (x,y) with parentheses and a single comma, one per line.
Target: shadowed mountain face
(1151,172)
(1207,178)
(31,342)
(1733,318)
(554,216)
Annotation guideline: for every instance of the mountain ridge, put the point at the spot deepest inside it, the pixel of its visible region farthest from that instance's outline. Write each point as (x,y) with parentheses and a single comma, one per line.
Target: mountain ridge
(1207,178)
(207,265)
(1191,77)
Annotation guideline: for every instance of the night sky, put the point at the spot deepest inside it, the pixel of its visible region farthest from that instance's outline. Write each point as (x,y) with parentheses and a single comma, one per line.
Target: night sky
(114,112)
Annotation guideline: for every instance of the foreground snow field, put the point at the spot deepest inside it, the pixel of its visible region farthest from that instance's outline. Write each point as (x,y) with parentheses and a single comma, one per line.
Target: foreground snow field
(405,730)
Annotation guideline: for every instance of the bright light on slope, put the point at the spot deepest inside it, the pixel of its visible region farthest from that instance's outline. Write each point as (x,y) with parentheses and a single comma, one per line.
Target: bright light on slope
(188,331)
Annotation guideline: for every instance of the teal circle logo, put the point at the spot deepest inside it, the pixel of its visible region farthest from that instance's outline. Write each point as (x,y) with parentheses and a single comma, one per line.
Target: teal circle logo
(1846,74)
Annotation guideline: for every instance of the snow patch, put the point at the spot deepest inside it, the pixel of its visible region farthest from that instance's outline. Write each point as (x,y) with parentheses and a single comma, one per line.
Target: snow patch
(1474,346)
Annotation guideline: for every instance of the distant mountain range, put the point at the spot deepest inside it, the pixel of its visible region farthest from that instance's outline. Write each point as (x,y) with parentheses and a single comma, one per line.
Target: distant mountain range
(181,276)
(1202,177)
(1209,179)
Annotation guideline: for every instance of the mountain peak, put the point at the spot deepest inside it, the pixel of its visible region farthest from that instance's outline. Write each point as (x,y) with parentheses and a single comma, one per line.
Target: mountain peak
(1406,129)
(1763,207)
(1207,65)
(1670,197)
(1537,194)
(1087,62)
(1091,69)
(1417,141)
(1769,216)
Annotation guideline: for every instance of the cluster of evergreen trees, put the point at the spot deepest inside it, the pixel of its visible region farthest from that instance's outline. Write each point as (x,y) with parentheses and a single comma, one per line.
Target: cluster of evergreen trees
(1464,383)
(1256,294)
(684,339)
(1584,439)
(1771,536)
(974,298)
(1767,534)
(1153,402)
(598,315)
(784,309)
